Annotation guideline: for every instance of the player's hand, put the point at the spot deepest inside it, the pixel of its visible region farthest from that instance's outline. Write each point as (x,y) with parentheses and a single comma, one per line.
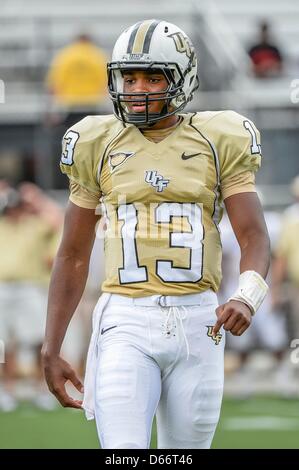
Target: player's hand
(57,373)
(235,317)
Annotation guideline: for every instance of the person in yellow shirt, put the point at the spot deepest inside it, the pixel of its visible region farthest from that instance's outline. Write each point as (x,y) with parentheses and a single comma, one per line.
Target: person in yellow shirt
(77,78)
(30,226)
(285,279)
(161,176)
(77,84)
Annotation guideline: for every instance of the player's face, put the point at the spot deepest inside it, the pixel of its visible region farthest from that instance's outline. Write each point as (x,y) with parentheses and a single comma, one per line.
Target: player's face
(140,81)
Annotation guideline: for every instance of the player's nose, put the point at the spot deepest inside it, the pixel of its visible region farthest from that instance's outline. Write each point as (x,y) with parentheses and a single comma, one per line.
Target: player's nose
(140,86)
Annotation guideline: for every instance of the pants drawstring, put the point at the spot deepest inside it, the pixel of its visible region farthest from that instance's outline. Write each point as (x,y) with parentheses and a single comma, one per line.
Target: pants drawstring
(179,314)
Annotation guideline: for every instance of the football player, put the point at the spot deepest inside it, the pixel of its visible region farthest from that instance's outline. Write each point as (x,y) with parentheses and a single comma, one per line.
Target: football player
(161,177)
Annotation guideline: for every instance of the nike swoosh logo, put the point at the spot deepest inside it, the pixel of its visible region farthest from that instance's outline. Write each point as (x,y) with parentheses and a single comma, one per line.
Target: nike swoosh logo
(186,157)
(106,329)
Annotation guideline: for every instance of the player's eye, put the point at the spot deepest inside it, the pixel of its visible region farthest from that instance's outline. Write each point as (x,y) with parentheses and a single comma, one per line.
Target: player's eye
(155,80)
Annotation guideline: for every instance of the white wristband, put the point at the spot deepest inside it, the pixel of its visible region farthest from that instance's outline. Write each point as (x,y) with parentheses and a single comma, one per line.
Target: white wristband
(252,290)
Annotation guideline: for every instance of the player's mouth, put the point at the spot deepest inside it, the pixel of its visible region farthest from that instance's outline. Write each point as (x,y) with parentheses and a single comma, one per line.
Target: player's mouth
(139,107)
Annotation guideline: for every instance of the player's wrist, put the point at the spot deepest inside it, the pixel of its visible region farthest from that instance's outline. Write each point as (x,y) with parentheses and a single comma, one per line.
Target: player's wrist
(49,354)
(252,290)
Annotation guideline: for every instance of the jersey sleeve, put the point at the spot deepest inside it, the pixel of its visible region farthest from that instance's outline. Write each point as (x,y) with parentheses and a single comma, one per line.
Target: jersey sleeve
(239,147)
(240,183)
(78,159)
(83,197)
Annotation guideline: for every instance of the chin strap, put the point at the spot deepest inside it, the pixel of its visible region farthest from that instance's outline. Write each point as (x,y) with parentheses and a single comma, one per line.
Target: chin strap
(138,119)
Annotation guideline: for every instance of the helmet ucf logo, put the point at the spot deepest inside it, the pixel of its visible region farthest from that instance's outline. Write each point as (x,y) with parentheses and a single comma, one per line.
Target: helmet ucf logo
(216,338)
(182,43)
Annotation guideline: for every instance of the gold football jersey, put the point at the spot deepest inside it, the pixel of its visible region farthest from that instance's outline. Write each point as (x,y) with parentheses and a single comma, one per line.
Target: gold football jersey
(163,201)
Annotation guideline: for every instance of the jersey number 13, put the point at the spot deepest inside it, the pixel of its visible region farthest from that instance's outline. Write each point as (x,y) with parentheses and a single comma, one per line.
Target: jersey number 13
(132,272)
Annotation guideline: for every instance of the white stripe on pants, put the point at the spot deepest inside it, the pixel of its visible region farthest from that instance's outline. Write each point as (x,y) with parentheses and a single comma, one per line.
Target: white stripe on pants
(153,358)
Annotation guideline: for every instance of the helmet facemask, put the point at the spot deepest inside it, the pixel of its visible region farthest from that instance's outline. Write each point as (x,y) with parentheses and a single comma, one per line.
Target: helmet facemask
(173,97)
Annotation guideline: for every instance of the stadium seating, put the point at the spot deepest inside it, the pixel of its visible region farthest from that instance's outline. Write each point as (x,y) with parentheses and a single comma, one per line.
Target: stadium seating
(30,34)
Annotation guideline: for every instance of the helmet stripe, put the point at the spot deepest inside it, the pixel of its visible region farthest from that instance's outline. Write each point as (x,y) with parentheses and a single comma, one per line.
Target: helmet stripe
(140,36)
(132,37)
(148,37)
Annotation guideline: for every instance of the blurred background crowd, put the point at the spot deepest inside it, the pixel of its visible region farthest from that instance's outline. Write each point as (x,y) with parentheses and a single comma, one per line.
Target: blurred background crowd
(53,73)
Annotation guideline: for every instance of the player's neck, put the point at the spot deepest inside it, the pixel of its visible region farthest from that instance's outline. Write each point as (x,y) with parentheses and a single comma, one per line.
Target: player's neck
(169,121)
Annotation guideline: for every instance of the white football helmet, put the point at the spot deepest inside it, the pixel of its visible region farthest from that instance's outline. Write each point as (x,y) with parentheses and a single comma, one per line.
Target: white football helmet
(159,46)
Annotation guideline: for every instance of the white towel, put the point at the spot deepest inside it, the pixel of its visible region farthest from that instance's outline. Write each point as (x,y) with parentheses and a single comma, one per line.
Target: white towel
(91,362)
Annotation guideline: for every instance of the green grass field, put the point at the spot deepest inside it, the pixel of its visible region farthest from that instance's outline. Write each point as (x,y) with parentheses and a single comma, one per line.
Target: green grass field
(253,423)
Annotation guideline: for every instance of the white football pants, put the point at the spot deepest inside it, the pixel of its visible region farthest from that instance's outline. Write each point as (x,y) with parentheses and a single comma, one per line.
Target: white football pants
(157,355)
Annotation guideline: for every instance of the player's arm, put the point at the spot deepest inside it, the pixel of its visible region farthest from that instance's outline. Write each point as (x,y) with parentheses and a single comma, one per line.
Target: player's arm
(247,220)
(66,288)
